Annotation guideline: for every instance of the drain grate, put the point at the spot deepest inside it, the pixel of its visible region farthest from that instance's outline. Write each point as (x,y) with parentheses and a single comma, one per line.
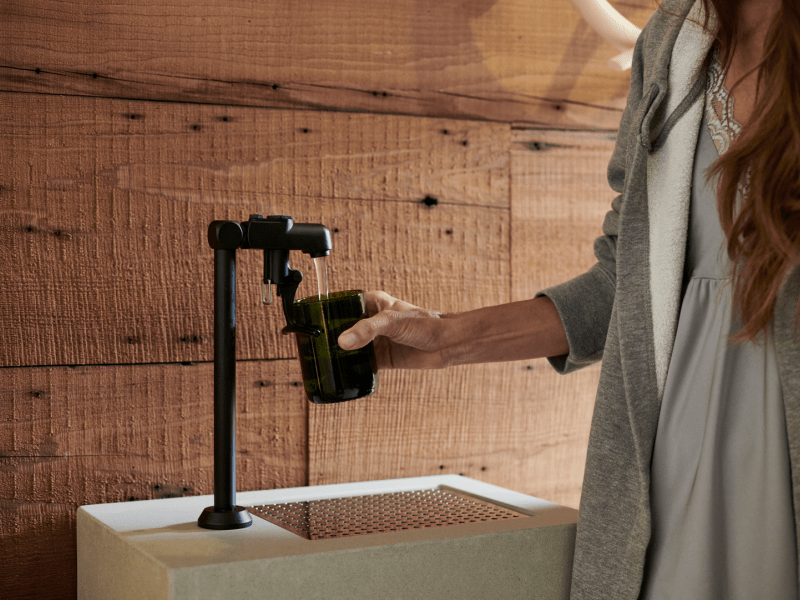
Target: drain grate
(380,513)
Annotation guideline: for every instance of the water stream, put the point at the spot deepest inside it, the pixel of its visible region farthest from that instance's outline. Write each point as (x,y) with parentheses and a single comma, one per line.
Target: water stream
(322,276)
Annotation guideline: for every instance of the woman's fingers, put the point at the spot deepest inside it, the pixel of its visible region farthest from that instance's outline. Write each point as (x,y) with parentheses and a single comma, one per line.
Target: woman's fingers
(359,335)
(377,301)
(405,336)
(387,317)
(384,323)
(363,332)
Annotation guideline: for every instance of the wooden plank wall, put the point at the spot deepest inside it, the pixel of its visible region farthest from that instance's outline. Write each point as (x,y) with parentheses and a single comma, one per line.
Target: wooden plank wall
(126,128)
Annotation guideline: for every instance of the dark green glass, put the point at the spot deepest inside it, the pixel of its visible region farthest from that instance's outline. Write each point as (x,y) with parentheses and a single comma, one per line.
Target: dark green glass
(331,374)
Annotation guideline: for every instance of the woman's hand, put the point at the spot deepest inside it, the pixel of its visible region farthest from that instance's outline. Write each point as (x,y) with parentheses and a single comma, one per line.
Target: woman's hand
(409,337)
(405,336)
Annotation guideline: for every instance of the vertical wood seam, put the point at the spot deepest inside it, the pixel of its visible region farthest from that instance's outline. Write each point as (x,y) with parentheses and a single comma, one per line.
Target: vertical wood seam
(511,212)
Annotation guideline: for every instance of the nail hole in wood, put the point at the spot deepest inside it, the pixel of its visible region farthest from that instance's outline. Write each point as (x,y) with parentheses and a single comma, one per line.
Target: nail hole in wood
(429,201)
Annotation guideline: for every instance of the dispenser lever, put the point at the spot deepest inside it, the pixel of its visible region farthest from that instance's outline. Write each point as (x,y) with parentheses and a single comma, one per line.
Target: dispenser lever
(264,299)
(287,291)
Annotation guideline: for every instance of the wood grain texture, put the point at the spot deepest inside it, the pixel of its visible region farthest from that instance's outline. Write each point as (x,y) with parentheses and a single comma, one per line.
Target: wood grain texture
(106,206)
(84,435)
(508,60)
(510,424)
(560,196)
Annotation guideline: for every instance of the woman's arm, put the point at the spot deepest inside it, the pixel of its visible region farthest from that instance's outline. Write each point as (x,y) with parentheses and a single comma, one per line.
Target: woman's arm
(409,337)
(568,323)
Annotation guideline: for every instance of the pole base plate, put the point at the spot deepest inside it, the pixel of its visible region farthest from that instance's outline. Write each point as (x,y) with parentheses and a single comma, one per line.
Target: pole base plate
(213,518)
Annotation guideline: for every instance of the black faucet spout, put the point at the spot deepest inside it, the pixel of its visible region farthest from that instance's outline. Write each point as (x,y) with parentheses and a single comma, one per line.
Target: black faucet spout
(279,232)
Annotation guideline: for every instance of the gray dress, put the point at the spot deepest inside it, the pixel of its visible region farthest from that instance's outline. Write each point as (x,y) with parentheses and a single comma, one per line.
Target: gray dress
(723,522)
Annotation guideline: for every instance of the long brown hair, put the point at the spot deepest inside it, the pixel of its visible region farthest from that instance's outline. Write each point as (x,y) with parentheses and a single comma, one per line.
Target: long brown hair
(763,228)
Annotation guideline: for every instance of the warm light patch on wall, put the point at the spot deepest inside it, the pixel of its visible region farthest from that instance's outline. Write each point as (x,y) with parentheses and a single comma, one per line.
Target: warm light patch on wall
(557,57)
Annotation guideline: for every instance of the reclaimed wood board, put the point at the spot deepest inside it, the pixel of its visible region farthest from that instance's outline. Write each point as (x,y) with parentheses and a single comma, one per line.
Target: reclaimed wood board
(38,548)
(86,435)
(503,60)
(106,206)
(560,196)
(510,424)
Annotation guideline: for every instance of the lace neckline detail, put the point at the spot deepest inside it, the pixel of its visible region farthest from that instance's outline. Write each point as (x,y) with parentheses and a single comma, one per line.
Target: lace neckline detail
(723,126)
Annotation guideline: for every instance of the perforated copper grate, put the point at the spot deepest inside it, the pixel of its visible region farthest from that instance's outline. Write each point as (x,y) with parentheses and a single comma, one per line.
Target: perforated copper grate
(380,513)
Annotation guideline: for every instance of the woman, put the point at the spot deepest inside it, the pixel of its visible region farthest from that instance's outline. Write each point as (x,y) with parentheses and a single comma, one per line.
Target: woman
(692,479)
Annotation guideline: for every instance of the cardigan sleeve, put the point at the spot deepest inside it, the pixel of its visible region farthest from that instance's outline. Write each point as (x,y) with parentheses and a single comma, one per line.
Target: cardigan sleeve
(584,303)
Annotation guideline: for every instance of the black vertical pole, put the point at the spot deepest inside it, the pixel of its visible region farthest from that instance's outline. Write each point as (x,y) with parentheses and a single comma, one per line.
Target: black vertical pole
(224,514)
(224,379)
